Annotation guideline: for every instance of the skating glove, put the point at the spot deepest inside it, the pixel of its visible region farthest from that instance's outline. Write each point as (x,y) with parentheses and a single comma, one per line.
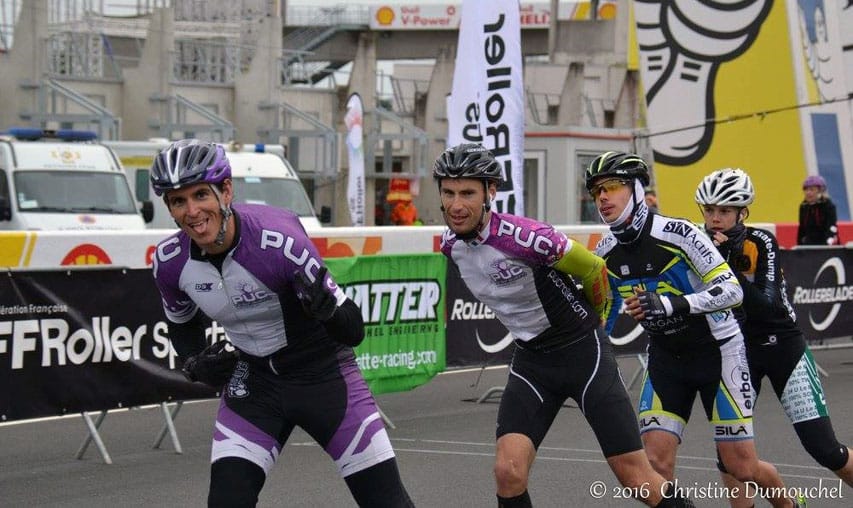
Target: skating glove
(316,299)
(655,306)
(213,366)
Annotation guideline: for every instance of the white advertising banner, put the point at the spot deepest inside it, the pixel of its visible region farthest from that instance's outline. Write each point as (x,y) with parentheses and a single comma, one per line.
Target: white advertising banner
(447,16)
(486,103)
(354,120)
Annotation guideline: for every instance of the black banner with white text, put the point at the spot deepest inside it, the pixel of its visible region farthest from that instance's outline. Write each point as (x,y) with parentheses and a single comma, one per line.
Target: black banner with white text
(85,340)
(820,291)
(475,336)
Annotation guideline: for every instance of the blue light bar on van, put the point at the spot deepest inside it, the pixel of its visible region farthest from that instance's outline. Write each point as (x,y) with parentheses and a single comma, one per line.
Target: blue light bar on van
(75,135)
(26,133)
(260,148)
(35,134)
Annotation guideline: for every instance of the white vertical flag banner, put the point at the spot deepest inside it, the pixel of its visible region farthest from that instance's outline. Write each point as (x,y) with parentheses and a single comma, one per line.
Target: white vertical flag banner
(354,121)
(486,103)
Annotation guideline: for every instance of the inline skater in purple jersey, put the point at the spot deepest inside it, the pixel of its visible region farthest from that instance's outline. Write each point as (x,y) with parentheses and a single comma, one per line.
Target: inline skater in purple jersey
(254,270)
(526,272)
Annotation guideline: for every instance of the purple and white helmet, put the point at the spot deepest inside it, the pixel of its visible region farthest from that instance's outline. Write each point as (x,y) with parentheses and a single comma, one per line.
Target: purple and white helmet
(187,162)
(814,181)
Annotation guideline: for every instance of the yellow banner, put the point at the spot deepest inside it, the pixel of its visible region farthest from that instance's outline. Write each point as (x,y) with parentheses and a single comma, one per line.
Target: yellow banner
(714,97)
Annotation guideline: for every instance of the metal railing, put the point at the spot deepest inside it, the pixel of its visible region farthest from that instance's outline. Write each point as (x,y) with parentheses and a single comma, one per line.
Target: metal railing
(80,55)
(341,14)
(406,92)
(402,131)
(305,133)
(53,99)
(207,62)
(174,120)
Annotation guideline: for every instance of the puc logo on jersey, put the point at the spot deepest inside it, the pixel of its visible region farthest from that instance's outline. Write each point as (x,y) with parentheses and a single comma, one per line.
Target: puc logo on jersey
(506,272)
(248,295)
(540,244)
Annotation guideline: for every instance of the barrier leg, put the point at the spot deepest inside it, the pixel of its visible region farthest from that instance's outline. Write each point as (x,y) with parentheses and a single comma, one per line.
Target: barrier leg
(643,358)
(169,426)
(385,418)
(491,392)
(94,436)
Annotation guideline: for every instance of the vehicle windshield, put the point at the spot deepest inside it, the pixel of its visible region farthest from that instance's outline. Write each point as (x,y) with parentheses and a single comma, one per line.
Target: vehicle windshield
(278,192)
(73,192)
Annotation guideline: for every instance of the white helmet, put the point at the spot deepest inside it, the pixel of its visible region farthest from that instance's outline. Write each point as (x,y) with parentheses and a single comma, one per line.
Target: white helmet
(726,187)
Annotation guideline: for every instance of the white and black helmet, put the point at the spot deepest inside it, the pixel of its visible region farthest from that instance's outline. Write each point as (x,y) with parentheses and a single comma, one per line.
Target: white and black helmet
(726,187)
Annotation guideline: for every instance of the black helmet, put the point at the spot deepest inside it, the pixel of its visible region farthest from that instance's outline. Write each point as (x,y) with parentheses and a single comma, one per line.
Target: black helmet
(468,160)
(187,162)
(617,164)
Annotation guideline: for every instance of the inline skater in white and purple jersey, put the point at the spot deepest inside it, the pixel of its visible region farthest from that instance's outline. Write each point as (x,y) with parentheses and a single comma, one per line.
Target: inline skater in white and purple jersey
(525,271)
(254,270)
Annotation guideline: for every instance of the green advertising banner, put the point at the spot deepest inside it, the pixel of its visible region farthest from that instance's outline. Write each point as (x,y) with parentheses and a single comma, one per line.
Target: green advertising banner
(402,302)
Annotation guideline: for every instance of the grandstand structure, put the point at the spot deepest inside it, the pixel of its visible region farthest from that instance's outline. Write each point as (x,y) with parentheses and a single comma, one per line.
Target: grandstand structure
(267,71)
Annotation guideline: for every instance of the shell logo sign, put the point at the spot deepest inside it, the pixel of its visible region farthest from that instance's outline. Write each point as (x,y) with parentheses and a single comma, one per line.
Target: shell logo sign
(607,11)
(385,15)
(86,254)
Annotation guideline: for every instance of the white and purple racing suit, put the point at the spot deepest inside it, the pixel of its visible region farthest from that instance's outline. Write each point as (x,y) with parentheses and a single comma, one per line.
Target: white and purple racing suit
(293,369)
(511,266)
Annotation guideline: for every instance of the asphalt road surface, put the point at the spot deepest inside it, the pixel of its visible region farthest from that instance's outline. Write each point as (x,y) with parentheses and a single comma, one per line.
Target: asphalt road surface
(444,442)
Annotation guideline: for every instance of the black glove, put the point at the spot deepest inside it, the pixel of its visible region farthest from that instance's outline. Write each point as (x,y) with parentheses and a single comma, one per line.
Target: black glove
(653,307)
(213,366)
(316,299)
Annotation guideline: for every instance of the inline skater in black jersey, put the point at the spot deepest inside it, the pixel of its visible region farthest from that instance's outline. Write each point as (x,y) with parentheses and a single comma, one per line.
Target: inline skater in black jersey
(254,270)
(670,278)
(775,346)
(525,271)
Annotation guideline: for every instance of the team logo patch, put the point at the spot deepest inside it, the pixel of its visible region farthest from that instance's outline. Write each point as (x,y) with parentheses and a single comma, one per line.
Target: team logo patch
(248,294)
(237,385)
(203,287)
(505,272)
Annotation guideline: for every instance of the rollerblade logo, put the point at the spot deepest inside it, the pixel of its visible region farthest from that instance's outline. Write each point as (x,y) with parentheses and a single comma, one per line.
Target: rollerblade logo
(625,329)
(497,346)
(682,45)
(834,295)
(464,310)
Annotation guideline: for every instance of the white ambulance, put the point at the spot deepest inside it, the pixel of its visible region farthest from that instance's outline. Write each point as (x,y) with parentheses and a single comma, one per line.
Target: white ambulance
(260,174)
(62,180)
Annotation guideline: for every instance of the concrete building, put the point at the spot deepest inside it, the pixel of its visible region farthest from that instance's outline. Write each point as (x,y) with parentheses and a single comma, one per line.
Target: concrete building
(263,71)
